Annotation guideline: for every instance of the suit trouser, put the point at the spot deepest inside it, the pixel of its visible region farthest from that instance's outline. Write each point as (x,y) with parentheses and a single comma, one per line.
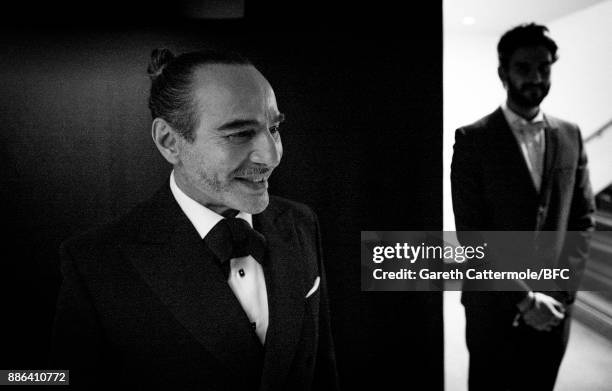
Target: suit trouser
(504,357)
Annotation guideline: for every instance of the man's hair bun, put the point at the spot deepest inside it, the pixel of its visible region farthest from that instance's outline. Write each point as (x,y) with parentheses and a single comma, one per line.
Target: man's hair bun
(160,58)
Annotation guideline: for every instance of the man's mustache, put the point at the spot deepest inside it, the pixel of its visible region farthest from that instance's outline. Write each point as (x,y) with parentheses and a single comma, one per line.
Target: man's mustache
(533,85)
(252,171)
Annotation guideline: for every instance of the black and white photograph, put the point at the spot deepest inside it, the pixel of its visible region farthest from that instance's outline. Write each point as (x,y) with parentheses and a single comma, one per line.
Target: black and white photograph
(185,186)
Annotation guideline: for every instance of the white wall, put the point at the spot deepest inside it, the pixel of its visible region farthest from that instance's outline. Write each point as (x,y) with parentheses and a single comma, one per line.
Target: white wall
(582,81)
(471,90)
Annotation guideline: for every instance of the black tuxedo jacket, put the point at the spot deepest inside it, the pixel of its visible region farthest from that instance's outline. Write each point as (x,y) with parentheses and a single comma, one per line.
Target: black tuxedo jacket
(144,302)
(492,190)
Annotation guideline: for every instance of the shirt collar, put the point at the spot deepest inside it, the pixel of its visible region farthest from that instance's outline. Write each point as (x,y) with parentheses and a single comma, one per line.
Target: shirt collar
(202,218)
(516,120)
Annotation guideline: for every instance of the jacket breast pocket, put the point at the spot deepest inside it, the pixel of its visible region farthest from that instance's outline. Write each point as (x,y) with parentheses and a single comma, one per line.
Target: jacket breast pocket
(312,298)
(564,178)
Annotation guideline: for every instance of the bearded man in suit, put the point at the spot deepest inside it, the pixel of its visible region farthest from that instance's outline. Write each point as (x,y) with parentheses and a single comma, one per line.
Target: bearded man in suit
(212,283)
(518,169)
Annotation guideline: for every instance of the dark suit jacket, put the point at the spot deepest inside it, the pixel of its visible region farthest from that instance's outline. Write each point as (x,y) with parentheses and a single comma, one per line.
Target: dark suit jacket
(493,191)
(144,302)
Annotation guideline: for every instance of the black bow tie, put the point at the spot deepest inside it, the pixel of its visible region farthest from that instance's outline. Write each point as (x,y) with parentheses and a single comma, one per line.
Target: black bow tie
(233,238)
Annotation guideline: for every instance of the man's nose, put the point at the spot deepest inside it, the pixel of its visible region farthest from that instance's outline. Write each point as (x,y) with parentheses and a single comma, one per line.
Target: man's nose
(267,150)
(535,76)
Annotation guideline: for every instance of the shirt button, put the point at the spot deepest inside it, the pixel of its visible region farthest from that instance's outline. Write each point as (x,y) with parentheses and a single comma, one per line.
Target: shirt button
(241,272)
(254,325)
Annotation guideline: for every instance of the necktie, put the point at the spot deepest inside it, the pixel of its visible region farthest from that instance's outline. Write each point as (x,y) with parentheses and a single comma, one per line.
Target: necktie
(531,128)
(233,238)
(532,136)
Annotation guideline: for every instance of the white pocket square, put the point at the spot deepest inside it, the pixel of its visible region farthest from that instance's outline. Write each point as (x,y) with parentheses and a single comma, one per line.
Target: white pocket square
(314,288)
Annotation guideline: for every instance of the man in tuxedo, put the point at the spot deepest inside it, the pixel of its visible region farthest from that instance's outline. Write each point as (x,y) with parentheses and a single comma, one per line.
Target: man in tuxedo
(518,169)
(212,283)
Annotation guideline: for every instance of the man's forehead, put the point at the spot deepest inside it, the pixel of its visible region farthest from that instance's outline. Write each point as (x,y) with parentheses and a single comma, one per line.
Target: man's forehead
(532,53)
(235,77)
(228,90)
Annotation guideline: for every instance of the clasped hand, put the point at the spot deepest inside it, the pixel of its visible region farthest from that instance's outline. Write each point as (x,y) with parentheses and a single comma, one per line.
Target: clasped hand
(545,313)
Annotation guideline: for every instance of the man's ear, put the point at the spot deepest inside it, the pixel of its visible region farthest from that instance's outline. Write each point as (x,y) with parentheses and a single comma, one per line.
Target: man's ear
(501,72)
(166,140)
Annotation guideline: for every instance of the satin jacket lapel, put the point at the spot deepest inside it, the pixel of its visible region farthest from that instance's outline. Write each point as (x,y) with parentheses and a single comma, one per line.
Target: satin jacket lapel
(285,294)
(510,149)
(189,281)
(551,133)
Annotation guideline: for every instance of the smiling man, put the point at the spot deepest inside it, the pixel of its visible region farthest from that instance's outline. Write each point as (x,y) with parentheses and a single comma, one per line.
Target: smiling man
(518,169)
(236,144)
(212,283)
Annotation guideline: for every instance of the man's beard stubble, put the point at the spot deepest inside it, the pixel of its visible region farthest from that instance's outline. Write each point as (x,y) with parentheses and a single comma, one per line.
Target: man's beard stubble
(522,97)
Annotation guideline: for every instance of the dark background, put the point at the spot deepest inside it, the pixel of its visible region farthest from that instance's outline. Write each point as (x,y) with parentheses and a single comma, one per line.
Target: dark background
(362,92)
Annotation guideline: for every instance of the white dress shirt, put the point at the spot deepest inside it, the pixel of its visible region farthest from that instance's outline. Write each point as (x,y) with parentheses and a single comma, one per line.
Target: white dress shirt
(530,137)
(246,277)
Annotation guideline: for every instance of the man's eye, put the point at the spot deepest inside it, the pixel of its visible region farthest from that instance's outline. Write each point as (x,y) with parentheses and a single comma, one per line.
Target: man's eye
(275,129)
(522,69)
(241,136)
